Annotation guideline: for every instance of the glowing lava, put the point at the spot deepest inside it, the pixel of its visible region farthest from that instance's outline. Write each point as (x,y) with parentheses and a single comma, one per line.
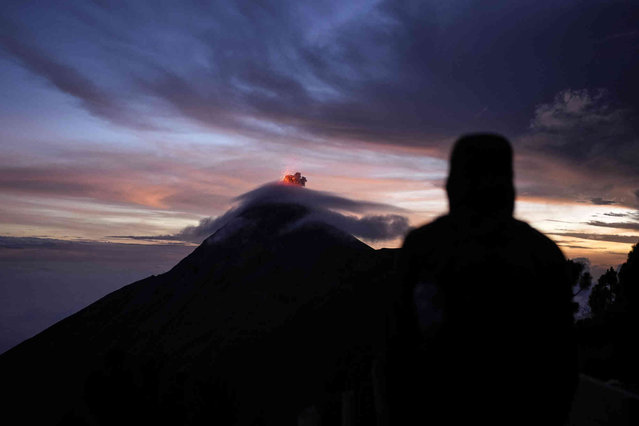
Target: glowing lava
(296,179)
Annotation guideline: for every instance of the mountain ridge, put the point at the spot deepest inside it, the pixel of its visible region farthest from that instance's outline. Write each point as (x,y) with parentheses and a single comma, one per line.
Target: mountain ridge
(272,300)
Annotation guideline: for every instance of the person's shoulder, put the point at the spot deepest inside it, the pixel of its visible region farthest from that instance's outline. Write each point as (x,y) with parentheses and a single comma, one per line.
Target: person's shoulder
(426,233)
(537,241)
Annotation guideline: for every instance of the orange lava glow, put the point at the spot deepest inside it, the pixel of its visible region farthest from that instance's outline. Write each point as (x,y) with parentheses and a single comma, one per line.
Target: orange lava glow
(295,179)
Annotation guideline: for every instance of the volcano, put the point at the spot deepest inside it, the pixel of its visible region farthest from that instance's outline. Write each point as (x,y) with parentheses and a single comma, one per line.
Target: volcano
(268,316)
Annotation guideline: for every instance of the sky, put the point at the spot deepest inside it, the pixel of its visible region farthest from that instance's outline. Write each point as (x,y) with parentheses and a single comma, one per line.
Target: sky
(122,120)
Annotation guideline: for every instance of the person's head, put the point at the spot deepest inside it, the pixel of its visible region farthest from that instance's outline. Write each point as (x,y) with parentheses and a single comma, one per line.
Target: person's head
(480,179)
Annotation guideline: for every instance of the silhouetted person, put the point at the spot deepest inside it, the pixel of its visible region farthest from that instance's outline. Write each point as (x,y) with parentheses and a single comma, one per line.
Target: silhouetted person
(483,327)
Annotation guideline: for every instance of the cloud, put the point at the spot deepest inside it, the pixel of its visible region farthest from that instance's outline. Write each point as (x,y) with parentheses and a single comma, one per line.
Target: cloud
(614,238)
(135,177)
(618,225)
(69,80)
(370,227)
(586,140)
(598,201)
(575,247)
(199,232)
(572,109)
(313,199)
(584,261)
(585,127)
(321,207)
(45,280)
(16,248)
(393,72)
(613,214)
(45,180)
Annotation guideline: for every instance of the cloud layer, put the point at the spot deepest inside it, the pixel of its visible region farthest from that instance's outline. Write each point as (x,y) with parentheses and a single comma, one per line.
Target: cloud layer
(399,72)
(323,207)
(586,145)
(46,280)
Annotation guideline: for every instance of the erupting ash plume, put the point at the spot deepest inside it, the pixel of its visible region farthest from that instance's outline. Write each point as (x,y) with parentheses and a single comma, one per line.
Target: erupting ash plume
(296,179)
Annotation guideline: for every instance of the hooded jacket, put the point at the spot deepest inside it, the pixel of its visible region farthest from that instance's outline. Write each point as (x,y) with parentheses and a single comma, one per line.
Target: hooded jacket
(483,327)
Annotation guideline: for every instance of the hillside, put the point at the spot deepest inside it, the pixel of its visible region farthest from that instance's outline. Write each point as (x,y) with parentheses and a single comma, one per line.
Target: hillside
(264,318)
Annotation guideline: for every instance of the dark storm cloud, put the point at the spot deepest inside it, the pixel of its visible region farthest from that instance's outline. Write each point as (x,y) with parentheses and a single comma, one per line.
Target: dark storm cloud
(321,207)
(589,142)
(398,73)
(401,72)
(586,127)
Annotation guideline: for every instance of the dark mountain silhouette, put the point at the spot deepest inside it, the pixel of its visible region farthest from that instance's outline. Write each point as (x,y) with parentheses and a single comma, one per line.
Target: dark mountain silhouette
(265,318)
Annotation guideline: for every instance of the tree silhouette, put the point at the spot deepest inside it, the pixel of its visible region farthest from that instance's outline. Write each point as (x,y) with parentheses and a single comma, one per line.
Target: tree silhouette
(627,352)
(605,293)
(608,338)
(629,281)
(578,278)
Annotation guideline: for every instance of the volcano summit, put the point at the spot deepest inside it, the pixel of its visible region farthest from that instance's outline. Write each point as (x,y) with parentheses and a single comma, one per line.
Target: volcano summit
(274,312)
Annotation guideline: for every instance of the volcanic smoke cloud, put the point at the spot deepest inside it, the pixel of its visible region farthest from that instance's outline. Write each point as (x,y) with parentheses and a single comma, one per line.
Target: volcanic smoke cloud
(296,179)
(323,207)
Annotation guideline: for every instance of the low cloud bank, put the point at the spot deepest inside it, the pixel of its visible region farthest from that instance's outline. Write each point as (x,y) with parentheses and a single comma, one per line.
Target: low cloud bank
(613,238)
(323,207)
(44,280)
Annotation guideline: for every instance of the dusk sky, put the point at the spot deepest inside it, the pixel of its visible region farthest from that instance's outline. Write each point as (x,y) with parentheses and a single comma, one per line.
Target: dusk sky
(144,118)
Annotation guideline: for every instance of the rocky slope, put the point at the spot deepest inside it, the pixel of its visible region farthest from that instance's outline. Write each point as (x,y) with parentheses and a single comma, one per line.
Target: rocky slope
(267,316)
